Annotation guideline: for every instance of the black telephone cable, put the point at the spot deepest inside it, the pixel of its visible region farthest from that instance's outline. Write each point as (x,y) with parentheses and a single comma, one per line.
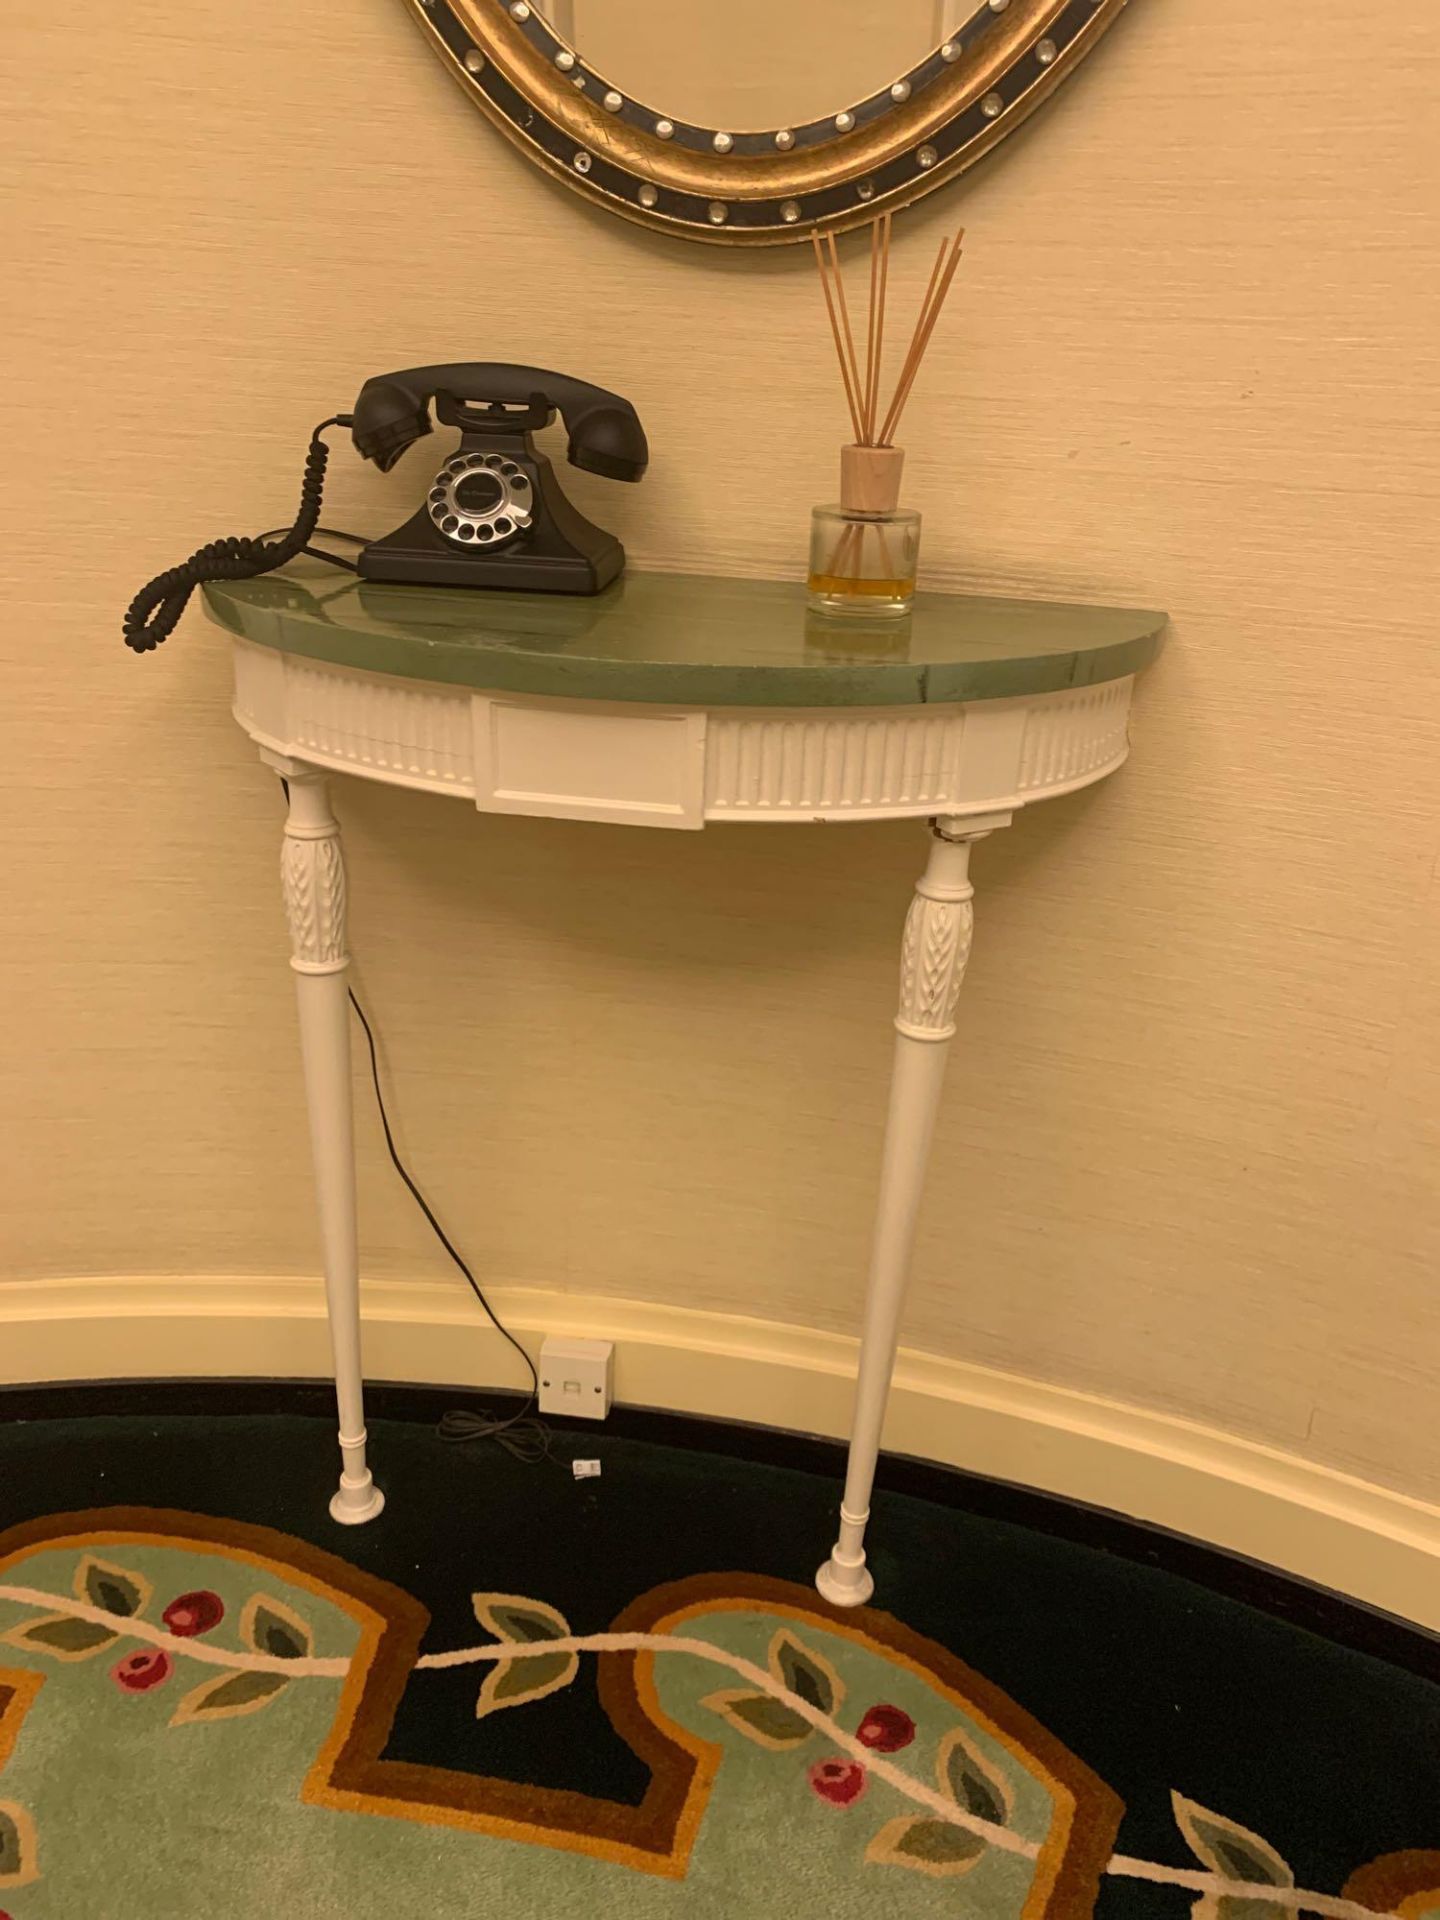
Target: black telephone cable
(153,612)
(521,1434)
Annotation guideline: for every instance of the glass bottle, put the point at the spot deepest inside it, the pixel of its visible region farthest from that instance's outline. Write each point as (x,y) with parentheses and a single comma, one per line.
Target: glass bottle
(864,548)
(863,563)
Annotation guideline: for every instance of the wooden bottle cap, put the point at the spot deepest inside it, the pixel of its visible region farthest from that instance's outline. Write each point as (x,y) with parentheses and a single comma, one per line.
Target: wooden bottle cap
(870,478)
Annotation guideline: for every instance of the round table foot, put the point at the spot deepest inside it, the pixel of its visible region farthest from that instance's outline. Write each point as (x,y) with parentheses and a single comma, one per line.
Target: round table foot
(353,1511)
(844,1586)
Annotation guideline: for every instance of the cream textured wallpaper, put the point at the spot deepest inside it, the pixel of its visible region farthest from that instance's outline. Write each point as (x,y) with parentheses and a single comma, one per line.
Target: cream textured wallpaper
(1188,1151)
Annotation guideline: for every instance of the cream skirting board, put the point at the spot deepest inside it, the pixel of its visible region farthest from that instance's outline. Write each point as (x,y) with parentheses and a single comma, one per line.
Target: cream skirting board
(1360,1539)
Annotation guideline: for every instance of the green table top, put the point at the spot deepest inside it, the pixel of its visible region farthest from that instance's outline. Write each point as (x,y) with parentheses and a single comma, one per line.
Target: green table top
(689,640)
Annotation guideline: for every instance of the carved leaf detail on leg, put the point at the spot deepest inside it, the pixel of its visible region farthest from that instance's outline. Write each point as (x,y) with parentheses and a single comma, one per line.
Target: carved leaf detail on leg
(933,957)
(312,873)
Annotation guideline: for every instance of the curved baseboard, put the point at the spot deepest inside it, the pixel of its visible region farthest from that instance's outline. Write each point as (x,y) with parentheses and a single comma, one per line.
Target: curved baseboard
(1361,1540)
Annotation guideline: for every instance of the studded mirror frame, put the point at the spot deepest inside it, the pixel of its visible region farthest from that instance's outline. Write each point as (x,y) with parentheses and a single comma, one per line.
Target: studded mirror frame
(765,188)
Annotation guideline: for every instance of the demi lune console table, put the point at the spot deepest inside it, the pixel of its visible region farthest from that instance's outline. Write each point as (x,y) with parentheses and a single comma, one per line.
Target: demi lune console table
(671,700)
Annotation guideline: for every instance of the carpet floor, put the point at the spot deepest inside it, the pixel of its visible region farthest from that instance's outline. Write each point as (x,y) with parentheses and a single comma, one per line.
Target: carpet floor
(521,1694)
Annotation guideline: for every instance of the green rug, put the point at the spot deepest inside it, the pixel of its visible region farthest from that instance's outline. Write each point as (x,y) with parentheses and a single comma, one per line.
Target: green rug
(518,1694)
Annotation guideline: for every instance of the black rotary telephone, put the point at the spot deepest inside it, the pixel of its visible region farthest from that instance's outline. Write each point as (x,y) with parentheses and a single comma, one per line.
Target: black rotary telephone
(494,515)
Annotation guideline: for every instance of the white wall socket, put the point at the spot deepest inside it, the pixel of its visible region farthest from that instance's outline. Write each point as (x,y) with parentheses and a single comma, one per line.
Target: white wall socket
(575,1378)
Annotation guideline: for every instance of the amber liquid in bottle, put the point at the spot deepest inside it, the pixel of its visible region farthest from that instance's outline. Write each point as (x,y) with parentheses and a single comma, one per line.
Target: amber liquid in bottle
(863,562)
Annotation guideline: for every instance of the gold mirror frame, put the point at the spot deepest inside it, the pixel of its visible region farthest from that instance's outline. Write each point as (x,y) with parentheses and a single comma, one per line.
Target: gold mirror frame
(766,188)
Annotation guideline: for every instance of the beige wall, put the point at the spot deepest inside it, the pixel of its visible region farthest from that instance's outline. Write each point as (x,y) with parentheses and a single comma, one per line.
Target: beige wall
(1187,1156)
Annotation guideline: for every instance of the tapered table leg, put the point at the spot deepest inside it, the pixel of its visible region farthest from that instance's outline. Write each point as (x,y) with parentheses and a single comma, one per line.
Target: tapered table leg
(313,874)
(933,956)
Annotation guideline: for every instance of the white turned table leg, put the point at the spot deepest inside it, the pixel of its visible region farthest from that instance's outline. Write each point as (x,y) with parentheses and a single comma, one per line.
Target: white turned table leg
(312,871)
(932,964)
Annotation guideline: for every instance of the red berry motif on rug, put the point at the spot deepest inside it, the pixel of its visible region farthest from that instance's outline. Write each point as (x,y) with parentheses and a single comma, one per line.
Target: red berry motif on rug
(886,1729)
(139,1672)
(194,1613)
(841,1782)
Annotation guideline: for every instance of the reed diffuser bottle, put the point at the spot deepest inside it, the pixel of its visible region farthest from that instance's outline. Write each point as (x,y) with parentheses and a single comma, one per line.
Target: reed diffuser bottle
(864,547)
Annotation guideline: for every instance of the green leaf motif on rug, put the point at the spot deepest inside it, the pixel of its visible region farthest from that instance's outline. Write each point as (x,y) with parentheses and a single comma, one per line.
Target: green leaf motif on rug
(66,1636)
(227,1698)
(971,1781)
(930,1846)
(272,1628)
(63,1635)
(769,1721)
(761,1718)
(940,1847)
(516,1620)
(18,1862)
(1235,1852)
(112,1588)
(510,1620)
(803,1672)
(517,1680)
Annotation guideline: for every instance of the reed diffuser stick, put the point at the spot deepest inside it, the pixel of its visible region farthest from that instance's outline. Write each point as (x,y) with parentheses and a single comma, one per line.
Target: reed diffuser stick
(862,392)
(835,331)
(879,277)
(926,326)
(867,412)
(919,328)
(839,280)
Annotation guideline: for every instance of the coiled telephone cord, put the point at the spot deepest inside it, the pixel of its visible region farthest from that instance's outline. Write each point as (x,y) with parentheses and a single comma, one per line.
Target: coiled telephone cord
(153,613)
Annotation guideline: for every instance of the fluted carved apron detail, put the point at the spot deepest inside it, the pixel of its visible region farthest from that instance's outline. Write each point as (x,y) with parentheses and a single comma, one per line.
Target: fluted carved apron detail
(312,873)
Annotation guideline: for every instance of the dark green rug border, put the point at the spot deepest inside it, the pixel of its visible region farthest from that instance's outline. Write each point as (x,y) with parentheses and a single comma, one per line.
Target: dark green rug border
(1333,1616)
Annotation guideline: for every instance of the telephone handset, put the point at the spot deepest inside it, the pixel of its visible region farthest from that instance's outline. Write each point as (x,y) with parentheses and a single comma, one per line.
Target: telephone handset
(494,514)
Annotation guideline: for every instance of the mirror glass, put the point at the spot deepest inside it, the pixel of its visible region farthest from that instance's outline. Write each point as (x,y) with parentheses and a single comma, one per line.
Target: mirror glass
(752,64)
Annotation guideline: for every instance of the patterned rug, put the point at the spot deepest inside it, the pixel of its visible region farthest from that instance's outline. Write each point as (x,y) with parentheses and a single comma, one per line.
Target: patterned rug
(524,1695)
